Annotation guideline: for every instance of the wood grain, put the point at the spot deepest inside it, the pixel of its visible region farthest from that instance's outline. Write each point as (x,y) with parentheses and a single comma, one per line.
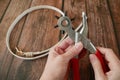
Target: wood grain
(14,9)
(75,8)
(4,4)
(101,29)
(115,14)
(35,32)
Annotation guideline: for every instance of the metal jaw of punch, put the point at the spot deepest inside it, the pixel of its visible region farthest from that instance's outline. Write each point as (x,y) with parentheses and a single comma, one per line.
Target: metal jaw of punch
(64,23)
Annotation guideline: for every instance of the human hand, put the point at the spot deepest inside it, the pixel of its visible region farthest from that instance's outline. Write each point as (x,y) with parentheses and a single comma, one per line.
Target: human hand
(58,59)
(113,64)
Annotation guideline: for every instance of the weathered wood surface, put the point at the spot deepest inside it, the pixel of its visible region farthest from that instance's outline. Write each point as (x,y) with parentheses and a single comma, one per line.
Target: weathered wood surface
(114,7)
(35,32)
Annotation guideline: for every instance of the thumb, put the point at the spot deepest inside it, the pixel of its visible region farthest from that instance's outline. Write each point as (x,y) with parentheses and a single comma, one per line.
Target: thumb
(99,74)
(74,50)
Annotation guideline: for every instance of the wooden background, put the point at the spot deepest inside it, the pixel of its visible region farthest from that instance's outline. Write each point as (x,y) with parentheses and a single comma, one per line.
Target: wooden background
(36,32)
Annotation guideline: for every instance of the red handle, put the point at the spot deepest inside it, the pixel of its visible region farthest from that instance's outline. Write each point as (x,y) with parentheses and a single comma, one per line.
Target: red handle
(75,65)
(75,68)
(102,61)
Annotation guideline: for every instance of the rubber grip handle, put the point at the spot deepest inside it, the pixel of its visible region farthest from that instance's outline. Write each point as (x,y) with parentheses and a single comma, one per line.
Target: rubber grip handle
(102,61)
(75,68)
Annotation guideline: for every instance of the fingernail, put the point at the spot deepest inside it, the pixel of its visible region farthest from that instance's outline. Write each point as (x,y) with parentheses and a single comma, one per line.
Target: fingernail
(79,45)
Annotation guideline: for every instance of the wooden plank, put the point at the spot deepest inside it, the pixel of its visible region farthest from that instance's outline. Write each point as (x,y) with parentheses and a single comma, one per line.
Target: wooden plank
(75,8)
(38,34)
(14,9)
(3,7)
(26,35)
(114,6)
(101,31)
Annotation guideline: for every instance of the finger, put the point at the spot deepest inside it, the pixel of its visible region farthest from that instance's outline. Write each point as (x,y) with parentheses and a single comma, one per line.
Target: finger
(60,47)
(65,43)
(99,74)
(110,57)
(59,50)
(74,50)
